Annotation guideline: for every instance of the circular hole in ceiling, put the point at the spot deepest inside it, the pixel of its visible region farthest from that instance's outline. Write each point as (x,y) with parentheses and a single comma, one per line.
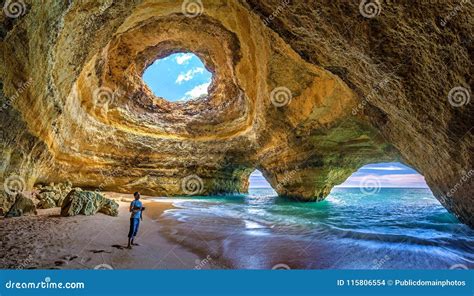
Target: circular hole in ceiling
(179,77)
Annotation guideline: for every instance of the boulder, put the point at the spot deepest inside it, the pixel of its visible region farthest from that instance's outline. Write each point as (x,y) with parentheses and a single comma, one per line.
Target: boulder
(87,203)
(52,193)
(23,205)
(6,201)
(46,203)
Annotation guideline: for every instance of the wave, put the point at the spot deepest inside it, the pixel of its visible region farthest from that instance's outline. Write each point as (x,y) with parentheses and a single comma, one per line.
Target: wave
(420,233)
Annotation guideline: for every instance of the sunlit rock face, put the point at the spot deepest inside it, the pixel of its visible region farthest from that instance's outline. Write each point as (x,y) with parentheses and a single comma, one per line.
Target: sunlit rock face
(306,93)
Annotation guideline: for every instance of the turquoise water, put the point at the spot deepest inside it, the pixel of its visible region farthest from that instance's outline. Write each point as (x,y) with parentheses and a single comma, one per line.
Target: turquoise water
(395,228)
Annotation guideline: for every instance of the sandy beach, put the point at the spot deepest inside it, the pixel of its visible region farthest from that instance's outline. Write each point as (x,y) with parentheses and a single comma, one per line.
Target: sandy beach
(49,241)
(258,231)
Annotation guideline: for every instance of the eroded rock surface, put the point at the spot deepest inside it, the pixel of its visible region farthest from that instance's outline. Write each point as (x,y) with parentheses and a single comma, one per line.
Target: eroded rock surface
(52,195)
(79,202)
(305,91)
(23,205)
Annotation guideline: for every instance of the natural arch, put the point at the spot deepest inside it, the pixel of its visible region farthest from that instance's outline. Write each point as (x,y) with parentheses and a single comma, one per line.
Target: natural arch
(372,177)
(288,96)
(257,181)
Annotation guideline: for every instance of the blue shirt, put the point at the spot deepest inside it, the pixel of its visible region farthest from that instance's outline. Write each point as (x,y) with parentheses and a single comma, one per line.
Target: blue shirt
(136,204)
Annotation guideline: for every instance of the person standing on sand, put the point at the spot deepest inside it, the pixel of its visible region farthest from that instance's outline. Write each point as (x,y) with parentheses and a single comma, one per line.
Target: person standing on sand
(136,209)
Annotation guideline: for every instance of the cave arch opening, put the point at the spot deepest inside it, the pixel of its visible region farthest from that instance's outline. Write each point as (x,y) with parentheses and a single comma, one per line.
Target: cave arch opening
(385,175)
(385,192)
(389,185)
(258,183)
(178,77)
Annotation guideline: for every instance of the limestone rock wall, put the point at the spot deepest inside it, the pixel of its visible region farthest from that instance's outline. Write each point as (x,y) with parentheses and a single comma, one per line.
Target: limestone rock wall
(410,64)
(305,91)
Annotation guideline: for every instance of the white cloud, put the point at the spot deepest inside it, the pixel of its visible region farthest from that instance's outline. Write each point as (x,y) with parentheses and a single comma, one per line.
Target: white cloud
(196,92)
(394,180)
(387,168)
(183,58)
(188,75)
(256,173)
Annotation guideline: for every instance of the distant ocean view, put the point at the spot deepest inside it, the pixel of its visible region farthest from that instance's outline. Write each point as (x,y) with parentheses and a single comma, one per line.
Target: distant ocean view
(393,228)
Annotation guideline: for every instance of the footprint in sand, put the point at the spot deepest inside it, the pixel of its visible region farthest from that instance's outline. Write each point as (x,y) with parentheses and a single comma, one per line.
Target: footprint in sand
(100,251)
(60,262)
(118,247)
(70,257)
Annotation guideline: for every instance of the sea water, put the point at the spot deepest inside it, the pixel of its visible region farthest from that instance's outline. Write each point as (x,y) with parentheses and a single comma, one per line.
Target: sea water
(393,228)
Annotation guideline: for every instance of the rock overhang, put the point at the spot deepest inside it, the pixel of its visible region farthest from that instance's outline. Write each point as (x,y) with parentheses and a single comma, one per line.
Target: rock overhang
(269,106)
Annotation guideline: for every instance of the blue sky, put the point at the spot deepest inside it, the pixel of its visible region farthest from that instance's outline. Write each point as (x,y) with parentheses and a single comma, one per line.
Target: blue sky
(178,77)
(389,174)
(258,181)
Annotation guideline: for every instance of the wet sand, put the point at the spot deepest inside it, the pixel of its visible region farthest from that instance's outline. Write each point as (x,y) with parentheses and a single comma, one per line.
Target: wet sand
(48,241)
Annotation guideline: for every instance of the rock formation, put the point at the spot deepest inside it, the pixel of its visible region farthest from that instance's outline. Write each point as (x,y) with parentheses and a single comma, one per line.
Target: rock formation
(23,205)
(305,91)
(52,195)
(79,202)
